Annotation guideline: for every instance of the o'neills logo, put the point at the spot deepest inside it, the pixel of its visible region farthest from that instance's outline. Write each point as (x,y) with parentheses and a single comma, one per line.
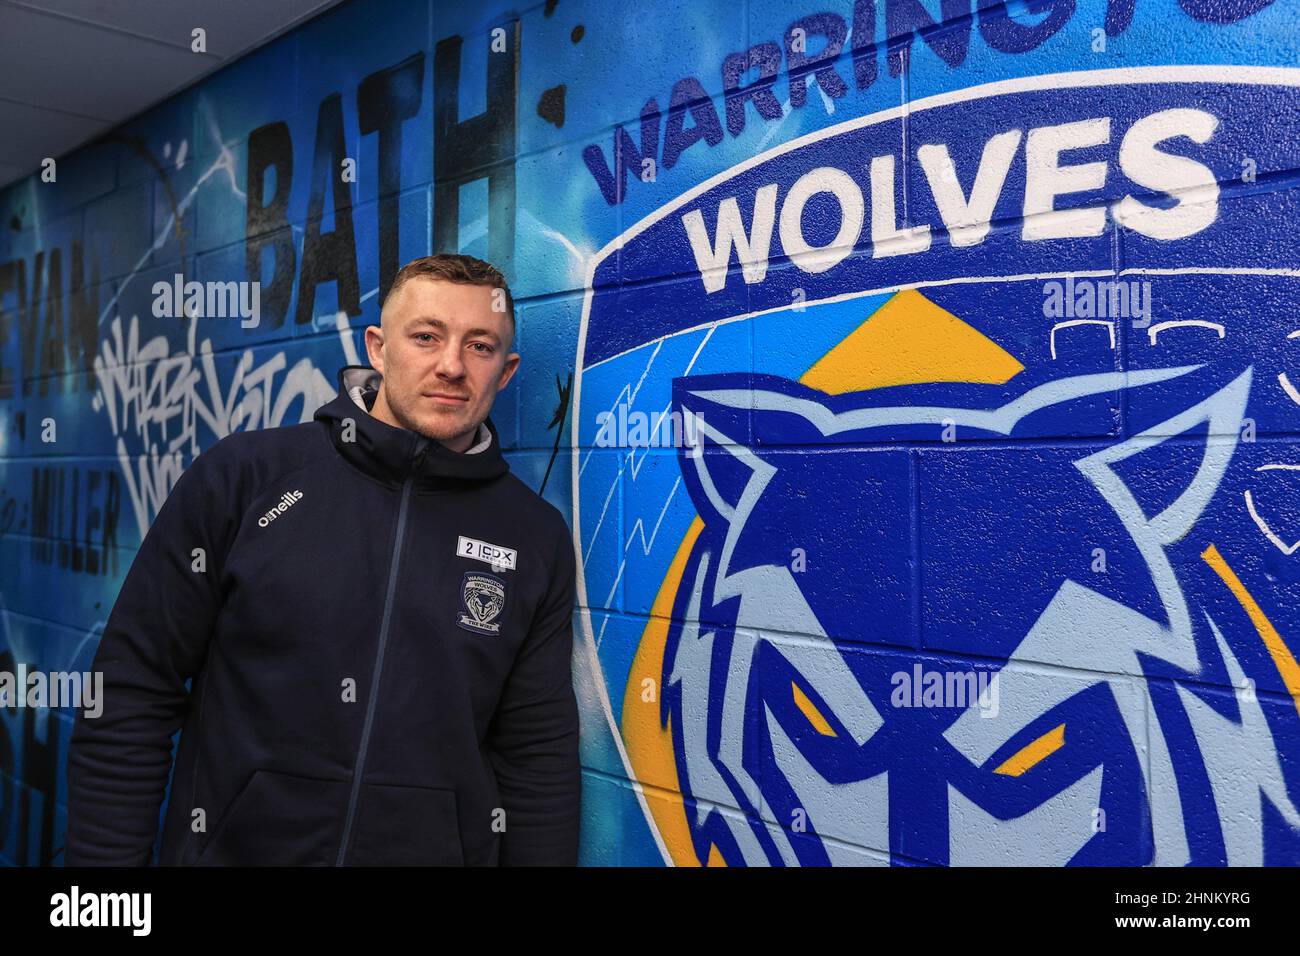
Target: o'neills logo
(287,499)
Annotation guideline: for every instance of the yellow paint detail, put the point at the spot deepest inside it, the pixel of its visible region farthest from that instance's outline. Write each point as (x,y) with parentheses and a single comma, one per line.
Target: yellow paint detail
(649,744)
(1283,659)
(811,712)
(909,340)
(715,856)
(1033,753)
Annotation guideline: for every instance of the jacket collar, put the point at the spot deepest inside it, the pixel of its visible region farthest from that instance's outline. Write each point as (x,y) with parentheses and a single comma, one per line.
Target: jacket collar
(393,454)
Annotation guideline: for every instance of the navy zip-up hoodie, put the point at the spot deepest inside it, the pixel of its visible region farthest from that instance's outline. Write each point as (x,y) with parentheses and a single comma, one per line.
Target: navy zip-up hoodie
(378,633)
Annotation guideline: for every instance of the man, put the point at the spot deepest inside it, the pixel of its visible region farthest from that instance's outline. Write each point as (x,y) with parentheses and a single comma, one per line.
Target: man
(376,617)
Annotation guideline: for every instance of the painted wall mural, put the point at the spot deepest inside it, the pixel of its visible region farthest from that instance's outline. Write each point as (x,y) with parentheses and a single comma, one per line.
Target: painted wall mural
(921,379)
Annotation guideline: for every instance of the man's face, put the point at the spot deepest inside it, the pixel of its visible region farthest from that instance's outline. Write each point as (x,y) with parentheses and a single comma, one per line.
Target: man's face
(444,354)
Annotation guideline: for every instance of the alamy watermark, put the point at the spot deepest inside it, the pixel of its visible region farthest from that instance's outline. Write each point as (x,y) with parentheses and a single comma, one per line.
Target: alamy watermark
(55,689)
(208,300)
(1098,299)
(625,428)
(75,908)
(945,689)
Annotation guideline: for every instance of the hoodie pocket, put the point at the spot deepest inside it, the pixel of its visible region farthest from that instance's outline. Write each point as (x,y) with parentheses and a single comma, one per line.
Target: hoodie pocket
(406,826)
(279,819)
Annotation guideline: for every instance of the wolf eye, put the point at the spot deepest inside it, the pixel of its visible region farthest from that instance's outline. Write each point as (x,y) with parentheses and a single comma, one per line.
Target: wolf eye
(1033,753)
(810,711)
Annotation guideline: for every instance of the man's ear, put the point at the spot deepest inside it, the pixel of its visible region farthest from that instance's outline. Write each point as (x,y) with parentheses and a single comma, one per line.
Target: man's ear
(507,373)
(375,347)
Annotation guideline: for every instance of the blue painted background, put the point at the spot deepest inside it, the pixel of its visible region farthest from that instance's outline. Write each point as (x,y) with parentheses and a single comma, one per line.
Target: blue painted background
(737,706)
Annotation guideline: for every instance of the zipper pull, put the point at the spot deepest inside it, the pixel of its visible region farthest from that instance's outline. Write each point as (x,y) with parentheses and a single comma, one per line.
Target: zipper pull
(421,446)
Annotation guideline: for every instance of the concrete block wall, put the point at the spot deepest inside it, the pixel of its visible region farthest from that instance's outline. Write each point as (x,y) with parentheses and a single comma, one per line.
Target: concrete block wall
(921,379)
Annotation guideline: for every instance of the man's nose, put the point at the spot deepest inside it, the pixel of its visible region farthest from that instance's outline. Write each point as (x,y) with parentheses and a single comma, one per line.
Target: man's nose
(450,363)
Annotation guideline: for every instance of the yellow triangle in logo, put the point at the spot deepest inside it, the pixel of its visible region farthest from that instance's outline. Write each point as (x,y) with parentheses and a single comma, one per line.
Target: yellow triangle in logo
(910,340)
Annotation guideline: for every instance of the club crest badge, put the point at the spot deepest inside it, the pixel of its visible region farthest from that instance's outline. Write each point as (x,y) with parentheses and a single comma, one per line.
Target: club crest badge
(482,599)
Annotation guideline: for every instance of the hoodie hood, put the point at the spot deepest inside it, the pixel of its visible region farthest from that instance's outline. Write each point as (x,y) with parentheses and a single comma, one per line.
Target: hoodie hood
(393,454)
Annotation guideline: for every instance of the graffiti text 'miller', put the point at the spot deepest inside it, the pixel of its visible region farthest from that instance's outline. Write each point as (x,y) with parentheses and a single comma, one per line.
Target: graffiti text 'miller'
(1050,197)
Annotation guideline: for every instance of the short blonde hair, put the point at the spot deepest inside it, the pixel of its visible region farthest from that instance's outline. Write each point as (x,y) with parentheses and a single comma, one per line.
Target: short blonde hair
(453,267)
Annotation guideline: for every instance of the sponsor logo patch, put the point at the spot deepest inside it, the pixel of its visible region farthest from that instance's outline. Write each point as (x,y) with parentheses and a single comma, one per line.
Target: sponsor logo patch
(501,559)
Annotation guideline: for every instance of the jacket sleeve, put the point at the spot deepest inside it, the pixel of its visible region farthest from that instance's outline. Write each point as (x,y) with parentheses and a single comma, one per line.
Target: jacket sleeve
(533,741)
(155,639)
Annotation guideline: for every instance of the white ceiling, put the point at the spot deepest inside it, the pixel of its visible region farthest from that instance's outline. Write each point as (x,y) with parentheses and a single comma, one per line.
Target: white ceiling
(72,69)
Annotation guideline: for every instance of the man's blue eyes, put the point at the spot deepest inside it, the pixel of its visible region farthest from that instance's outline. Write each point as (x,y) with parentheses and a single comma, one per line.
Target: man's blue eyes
(426,336)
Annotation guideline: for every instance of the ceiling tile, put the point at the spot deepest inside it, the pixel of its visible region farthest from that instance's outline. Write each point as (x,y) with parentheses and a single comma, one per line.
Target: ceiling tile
(83,69)
(233,26)
(75,68)
(32,133)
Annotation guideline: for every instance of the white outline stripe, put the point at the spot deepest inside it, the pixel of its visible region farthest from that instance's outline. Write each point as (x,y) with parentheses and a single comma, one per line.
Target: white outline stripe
(965,280)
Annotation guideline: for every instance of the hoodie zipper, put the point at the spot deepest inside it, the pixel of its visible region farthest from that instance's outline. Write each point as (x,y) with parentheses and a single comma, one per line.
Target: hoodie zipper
(394,563)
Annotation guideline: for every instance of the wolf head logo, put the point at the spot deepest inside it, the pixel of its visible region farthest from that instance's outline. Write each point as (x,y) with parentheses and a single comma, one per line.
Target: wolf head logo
(482,598)
(846,539)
